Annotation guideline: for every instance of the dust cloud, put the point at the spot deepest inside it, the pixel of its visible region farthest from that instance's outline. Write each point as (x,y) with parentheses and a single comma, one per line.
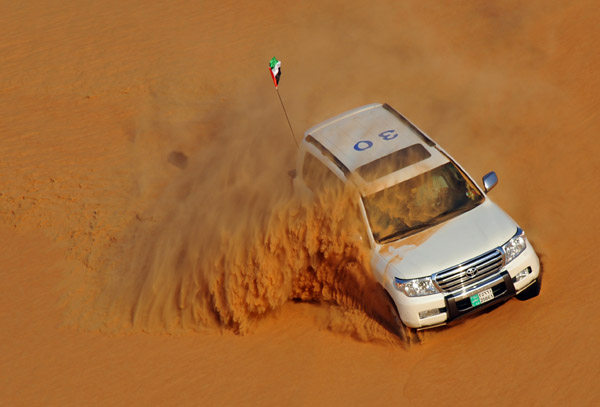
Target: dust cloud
(227,241)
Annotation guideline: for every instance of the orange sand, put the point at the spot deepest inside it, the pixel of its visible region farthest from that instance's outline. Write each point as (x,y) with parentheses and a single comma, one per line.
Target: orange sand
(149,247)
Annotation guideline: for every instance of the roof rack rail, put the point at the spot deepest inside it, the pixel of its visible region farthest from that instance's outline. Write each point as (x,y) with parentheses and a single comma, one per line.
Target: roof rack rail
(328,154)
(407,122)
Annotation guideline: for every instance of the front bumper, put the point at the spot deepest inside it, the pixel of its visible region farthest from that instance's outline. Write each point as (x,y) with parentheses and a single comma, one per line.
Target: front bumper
(450,306)
(459,305)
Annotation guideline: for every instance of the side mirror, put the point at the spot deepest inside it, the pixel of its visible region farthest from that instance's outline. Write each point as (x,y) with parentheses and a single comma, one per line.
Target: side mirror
(489,181)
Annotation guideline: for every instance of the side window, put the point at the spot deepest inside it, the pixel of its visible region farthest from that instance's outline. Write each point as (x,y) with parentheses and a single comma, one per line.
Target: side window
(318,177)
(362,229)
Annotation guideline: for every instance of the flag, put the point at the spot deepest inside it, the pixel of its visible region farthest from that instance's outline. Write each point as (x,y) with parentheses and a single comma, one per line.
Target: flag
(275,68)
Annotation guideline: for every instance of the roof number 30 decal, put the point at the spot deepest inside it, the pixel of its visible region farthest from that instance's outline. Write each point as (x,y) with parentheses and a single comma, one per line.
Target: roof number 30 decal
(366,144)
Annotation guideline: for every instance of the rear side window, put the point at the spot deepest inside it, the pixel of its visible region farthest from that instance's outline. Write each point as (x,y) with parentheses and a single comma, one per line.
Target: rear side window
(393,162)
(318,177)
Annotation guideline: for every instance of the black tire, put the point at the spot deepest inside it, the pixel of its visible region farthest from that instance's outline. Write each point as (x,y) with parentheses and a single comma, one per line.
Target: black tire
(530,292)
(407,335)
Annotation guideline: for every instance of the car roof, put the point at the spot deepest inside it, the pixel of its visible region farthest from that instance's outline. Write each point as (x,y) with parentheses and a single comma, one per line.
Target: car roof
(365,134)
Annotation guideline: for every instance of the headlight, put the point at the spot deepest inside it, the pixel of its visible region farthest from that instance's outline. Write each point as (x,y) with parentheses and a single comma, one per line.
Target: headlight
(514,246)
(417,287)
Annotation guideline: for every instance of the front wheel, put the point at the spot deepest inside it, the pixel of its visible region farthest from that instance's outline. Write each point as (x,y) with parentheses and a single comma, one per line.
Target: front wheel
(407,334)
(532,291)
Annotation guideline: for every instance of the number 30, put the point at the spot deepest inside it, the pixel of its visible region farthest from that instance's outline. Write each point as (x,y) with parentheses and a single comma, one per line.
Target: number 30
(366,144)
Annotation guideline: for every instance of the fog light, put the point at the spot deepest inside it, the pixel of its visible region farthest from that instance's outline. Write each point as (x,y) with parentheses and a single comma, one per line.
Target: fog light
(521,275)
(429,313)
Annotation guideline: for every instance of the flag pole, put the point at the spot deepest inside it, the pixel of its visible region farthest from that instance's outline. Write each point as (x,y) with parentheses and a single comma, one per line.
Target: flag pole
(286,116)
(275,71)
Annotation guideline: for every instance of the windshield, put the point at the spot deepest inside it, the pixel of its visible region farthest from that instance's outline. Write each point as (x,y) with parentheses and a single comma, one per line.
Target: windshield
(425,200)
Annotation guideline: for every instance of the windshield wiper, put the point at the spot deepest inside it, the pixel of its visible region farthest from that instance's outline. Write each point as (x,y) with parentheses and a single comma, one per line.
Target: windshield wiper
(402,233)
(411,231)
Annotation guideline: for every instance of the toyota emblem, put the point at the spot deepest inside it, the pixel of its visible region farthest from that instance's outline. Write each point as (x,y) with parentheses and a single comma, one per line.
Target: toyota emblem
(472,272)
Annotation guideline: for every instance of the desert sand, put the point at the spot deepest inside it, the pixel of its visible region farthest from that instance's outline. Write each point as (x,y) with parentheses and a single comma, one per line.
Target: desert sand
(151,252)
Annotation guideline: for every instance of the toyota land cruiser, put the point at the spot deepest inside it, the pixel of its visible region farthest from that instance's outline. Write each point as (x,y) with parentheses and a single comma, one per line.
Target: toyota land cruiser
(439,246)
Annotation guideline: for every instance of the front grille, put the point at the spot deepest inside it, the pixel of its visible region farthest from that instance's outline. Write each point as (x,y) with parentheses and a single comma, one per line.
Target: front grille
(455,278)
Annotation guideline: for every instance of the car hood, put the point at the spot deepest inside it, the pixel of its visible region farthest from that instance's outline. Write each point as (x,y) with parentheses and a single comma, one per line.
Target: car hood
(452,242)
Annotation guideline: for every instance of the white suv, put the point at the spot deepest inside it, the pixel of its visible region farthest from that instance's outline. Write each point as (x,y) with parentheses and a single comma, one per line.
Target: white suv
(439,246)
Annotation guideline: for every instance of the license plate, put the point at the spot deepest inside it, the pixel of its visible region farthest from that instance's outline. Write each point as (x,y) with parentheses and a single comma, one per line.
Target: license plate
(484,296)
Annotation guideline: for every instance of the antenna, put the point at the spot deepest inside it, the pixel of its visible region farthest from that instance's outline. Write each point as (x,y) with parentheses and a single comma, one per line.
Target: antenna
(275,70)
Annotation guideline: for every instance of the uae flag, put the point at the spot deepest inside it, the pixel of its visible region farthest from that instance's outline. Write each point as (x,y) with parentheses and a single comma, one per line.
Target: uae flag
(275,67)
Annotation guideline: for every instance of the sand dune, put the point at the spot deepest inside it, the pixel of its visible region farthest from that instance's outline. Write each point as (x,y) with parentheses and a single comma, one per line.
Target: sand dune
(153,252)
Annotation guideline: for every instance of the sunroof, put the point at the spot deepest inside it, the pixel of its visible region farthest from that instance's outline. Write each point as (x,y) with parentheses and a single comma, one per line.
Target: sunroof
(393,162)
